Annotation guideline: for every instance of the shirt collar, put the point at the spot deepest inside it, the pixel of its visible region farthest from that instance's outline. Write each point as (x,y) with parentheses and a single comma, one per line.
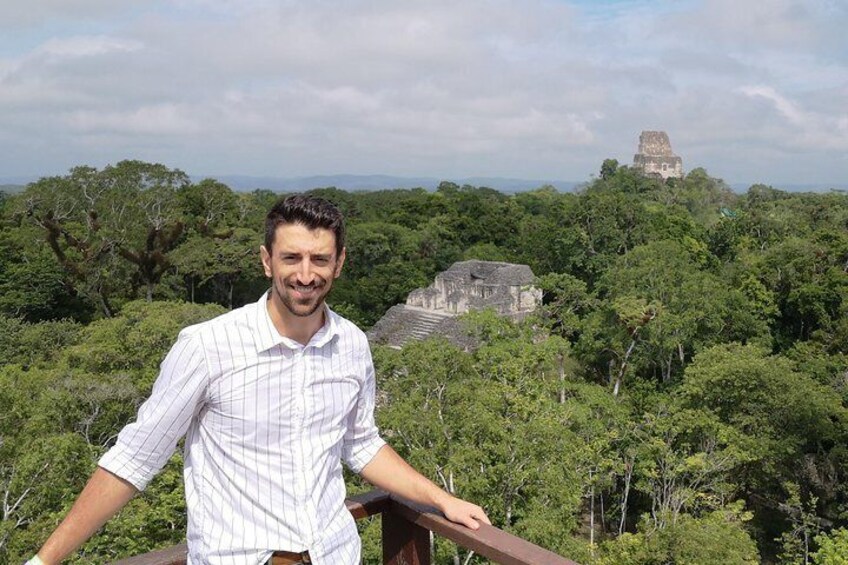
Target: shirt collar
(267,335)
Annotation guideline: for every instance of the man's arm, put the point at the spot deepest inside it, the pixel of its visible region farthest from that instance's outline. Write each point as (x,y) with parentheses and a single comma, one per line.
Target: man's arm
(142,449)
(103,496)
(367,454)
(388,471)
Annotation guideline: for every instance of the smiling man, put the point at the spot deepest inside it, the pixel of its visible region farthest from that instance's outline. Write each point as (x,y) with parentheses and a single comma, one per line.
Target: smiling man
(271,398)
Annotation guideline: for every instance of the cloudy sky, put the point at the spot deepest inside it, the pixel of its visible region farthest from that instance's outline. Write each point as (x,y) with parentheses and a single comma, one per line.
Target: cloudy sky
(752,90)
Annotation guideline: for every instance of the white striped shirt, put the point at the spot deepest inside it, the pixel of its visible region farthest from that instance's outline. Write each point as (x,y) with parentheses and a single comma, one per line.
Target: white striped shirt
(267,421)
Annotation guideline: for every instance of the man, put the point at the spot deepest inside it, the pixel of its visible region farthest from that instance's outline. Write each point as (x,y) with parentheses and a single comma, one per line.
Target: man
(270,397)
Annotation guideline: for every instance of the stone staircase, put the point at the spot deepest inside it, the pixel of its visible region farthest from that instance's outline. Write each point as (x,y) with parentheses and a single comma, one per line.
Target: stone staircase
(404,323)
(423,323)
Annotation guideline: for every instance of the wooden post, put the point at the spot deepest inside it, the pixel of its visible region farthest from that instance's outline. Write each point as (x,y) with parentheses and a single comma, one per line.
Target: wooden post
(404,543)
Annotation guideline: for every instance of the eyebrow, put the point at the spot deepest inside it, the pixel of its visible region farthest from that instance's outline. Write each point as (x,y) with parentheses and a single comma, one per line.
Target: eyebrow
(298,254)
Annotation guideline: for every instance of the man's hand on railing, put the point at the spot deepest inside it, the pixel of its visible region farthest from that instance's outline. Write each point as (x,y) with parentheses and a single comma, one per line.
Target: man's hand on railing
(464,512)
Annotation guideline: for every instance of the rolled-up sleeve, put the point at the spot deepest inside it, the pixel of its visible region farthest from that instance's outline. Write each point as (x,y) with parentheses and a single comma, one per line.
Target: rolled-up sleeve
(362,439)
(144,446)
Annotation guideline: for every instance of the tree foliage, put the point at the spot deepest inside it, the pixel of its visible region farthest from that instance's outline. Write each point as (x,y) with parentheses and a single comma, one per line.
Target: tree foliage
(679,397)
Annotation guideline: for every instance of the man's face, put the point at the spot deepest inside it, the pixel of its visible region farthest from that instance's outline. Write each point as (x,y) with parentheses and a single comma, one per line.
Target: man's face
(302,265)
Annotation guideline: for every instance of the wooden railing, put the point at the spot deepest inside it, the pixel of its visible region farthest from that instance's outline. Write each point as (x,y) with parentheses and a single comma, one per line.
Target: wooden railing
(406,537)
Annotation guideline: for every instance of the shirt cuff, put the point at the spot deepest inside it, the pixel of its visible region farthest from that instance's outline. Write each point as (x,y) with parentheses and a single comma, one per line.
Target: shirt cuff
(123,466)
(363,453)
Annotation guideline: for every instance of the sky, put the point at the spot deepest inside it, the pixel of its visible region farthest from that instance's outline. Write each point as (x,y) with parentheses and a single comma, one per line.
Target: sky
(751,90)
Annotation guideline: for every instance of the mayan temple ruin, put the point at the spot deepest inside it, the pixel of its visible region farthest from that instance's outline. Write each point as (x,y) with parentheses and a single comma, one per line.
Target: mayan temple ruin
(466,285)
(655,157)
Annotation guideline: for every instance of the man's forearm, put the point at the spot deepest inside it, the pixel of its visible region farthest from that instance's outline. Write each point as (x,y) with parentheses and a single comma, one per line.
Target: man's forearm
(103,496)
(388,471)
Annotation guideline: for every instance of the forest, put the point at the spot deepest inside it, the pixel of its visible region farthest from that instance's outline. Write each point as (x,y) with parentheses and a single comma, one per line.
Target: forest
(680,396)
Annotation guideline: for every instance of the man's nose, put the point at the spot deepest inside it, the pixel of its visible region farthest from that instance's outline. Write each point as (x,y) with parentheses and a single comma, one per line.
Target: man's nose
(304,271)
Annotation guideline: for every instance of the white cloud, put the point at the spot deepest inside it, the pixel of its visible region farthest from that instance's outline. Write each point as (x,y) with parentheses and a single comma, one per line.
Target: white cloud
(162,119)
(784,107)
(803,128)
(85,46)
(534,88)
(14,14)
(758,25)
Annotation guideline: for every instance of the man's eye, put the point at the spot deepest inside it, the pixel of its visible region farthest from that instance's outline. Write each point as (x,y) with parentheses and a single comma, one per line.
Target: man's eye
(320,260)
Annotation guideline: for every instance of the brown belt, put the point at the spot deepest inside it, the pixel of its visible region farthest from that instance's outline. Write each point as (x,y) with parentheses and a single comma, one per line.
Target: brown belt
(289,558)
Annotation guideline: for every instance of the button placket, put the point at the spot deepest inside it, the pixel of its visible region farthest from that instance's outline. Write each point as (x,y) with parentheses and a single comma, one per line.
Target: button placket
(309,504)
(299,417)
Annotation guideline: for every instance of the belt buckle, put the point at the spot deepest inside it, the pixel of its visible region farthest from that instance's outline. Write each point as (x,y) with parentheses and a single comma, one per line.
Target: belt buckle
(290,557)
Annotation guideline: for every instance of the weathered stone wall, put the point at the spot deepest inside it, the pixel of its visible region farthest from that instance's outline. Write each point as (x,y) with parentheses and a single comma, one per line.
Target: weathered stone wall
(655,156)
(473,285)
(428,298)
(655,143)
(465,286)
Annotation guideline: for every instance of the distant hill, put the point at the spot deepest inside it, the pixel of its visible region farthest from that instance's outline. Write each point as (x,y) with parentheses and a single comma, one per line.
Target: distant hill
(345,182)
(817,187)
(246,183)
(379,182)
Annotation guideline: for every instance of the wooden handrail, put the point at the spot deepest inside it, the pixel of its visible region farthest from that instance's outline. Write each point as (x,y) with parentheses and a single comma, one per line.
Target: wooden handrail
(406,538)
(489,541)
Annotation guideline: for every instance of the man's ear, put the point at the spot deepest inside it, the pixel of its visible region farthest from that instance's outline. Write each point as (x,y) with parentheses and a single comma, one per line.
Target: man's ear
(340,262)
(266,260)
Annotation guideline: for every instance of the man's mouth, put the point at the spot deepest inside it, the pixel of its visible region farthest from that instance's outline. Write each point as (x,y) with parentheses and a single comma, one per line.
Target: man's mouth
(304,289)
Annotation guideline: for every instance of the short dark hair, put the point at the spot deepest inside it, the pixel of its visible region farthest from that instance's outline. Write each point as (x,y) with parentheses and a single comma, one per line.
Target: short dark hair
(310,211)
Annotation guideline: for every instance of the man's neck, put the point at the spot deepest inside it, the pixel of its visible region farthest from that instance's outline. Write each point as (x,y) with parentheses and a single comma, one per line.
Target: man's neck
(299,328)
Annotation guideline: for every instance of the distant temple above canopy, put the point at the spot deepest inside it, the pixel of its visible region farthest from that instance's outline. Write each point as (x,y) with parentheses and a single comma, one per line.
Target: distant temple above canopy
(655,157)
(466,285)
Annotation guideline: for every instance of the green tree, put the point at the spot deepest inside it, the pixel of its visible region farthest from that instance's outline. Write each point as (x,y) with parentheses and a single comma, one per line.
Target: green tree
(219,262)
(208,206)
(808,279)
(608,169)
(688,462)
(797,425)
(509,455)
(565,302)
(43,477)
(670,309)
(110,229)
(833,548)
(714,539)
(32,285)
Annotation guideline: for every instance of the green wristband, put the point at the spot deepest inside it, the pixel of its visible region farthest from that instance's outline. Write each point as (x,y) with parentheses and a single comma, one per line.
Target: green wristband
(36,560)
